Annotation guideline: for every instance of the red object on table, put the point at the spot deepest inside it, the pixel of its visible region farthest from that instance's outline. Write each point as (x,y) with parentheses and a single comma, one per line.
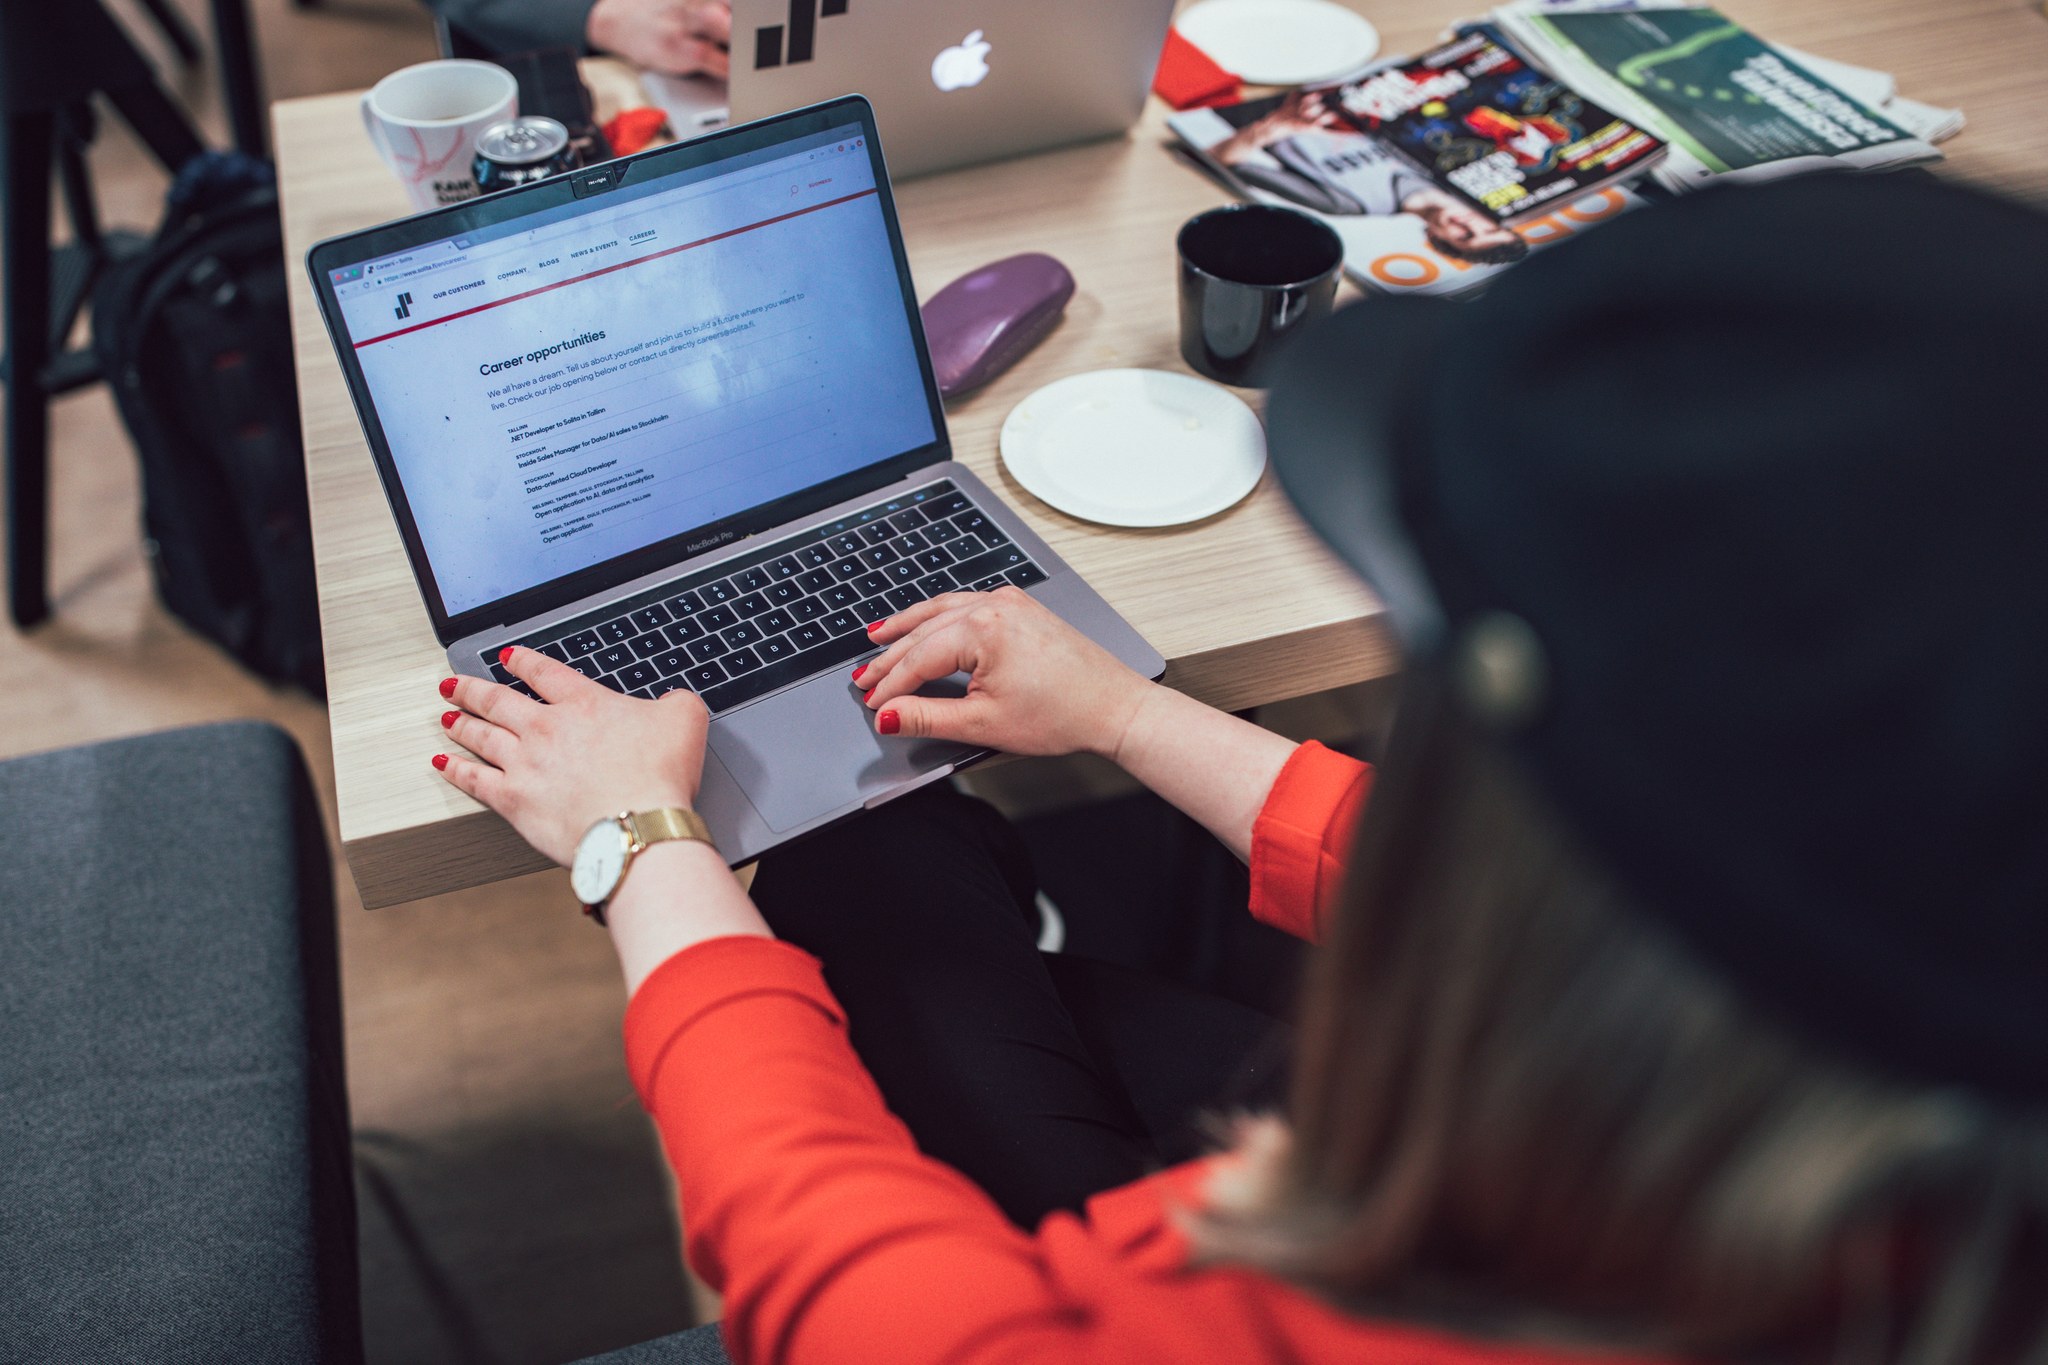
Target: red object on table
(1189,79)
(632,129)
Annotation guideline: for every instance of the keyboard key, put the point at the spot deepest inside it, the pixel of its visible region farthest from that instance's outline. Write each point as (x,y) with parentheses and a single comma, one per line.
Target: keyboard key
(671,663)
(710,647)
(809,609)
(817,580)
(910,544)
(649,617)
(904,571)
(751,580)
(617,632)
(908,520)
(973,521)
(877,533)
(613,659)
(718,618)
(705,675)
(638,675)
(850,567)
(499,671)
(745,633)
(588,668)
(809,635)
(948,505)
(993,534)
(774,649)
(682,632)
(581,643)
(904,597)
(939,532)
(870,584)
(741,661)
(556,652)
(878,555)
(848,544)
(839,622)
(932,584)
(995,561)
(666,686)
(805,664)
(872,610)
(934,558)
(775,622)
(784,568)
(1024,575)
(750,606)
(782,594)
(814,556)
(689,604)
(721,591)
(966,547)
(644,693)
(840,595)
(649,645)
(523,690)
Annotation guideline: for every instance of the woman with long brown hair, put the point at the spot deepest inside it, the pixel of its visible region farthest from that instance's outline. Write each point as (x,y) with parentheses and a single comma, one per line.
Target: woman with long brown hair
(1685,991)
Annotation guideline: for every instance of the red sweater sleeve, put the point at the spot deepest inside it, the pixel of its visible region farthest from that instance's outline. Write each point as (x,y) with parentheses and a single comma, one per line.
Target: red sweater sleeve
(1302,837)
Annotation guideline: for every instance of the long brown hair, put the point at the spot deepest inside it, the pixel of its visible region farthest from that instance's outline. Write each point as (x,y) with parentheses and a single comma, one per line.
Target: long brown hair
(1522,1109)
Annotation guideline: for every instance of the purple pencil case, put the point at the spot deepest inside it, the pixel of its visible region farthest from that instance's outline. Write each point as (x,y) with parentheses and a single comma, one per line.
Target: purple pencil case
(983,323)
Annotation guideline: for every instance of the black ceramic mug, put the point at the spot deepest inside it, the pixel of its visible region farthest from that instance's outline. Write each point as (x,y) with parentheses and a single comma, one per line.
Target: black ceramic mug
(1250,274)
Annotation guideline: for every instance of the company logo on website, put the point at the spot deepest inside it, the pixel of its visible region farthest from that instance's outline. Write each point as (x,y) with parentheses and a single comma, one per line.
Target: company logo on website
(404,309)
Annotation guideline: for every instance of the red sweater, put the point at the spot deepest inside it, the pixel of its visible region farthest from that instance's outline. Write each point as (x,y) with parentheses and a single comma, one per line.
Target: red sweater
(833,1240)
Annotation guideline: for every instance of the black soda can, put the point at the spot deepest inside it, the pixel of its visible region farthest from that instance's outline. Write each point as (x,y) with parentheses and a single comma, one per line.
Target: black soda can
(520,151)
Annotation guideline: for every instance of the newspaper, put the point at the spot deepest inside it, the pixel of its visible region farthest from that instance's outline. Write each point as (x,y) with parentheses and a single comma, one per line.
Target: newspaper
(1727,102)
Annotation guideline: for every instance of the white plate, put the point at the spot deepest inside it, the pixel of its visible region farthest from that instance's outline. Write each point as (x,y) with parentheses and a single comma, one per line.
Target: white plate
(1281,42)
(1135,447)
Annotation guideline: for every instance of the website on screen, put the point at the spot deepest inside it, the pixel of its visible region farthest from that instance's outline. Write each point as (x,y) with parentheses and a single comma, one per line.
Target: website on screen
(579,389)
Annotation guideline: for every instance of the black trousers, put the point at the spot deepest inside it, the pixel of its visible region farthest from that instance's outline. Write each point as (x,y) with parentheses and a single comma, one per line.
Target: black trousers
(1044,1078)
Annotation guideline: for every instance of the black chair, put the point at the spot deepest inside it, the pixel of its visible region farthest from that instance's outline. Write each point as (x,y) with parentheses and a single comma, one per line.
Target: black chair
(54,59)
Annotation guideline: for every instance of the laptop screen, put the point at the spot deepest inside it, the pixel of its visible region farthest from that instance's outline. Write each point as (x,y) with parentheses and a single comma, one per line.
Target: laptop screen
(583,382)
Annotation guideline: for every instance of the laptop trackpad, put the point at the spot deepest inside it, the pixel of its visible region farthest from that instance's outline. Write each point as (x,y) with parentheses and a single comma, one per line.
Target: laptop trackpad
(813,751)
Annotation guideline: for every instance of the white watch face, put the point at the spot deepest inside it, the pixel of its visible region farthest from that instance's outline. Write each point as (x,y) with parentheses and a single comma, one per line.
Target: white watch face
(600,862)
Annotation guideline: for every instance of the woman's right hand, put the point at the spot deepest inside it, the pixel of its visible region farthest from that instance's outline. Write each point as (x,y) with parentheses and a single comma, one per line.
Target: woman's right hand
(1037,685)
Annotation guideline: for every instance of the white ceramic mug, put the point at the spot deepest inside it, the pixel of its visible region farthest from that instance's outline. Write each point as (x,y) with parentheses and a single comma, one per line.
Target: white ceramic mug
(424,120)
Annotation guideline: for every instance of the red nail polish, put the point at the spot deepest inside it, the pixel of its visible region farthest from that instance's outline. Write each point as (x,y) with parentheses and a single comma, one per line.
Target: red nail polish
(888,722)
(448,719)
(505,655)
(448,688)
(858,671)
(874,626)
(440,762)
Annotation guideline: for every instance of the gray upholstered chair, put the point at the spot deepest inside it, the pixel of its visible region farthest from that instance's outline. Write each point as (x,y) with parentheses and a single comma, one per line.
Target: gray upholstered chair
(174,1143)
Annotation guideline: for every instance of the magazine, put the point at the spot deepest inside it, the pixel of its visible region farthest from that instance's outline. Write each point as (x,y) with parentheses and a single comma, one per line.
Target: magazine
(1486,125)
(1402,233)
(1728,103)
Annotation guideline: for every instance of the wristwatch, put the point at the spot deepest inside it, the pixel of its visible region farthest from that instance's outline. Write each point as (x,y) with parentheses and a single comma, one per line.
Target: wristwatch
(606,851)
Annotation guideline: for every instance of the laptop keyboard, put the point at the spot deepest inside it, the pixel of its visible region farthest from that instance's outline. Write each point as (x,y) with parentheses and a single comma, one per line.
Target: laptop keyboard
(790,611)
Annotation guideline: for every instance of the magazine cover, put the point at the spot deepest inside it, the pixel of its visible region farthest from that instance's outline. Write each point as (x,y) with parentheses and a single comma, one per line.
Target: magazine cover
(1487,125)
(1402,233)
(1728,101)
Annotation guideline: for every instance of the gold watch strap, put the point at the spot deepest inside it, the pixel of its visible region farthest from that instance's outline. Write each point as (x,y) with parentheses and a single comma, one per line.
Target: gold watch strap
(653,827)
(672,822)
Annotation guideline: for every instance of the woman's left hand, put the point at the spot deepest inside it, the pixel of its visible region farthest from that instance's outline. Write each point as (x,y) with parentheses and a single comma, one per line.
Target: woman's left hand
(554,770)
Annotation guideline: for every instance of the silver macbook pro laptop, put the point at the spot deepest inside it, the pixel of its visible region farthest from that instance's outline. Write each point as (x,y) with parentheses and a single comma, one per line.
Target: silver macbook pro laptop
(672,421)
(953,81)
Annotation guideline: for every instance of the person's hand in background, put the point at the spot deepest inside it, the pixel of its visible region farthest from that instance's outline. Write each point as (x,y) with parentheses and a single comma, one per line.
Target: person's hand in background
(554,770)
(1038,685)
(677,36)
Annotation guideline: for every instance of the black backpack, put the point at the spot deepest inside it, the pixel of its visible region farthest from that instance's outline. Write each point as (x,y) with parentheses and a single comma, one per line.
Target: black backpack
(193,337)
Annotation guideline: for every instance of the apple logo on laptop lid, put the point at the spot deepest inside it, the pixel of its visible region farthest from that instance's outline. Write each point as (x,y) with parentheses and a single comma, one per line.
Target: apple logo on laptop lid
(963,65)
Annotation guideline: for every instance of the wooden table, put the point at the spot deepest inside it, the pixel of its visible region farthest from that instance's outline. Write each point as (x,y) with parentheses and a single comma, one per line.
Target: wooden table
(1246,606)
